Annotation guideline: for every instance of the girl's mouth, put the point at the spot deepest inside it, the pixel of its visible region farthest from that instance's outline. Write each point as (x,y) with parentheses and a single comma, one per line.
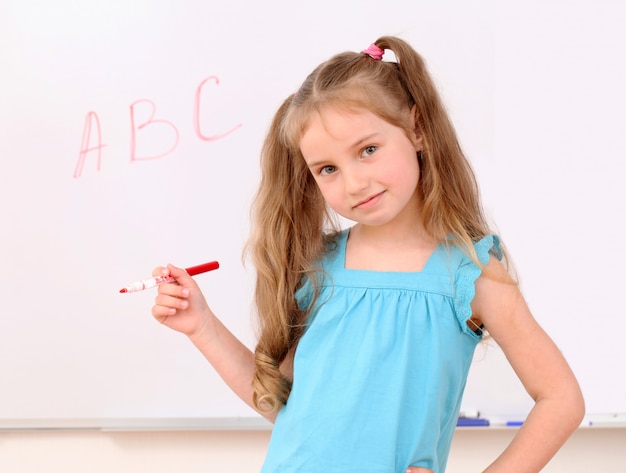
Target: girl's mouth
(370,201)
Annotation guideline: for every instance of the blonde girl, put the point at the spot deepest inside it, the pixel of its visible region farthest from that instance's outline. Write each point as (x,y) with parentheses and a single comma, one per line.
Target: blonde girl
(367,333)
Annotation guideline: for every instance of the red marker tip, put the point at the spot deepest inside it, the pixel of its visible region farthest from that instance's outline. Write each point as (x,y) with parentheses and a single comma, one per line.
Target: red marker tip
(123,290)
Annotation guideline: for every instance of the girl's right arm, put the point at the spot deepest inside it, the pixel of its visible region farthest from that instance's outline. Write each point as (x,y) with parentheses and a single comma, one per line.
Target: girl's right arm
(182,307)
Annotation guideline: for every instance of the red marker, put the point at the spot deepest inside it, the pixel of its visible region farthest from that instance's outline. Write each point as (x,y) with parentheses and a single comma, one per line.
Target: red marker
(153,282)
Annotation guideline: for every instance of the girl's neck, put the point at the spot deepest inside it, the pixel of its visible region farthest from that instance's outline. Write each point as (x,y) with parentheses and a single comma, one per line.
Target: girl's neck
(385,248)
(392,235)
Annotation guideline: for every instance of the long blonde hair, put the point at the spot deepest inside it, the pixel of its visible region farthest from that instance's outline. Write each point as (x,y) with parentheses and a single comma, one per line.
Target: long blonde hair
(290,217)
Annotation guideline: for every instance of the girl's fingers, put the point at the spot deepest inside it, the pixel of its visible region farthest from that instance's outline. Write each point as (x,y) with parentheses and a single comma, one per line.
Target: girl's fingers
(172,290)
(160,271)
(159,311)
(174,297)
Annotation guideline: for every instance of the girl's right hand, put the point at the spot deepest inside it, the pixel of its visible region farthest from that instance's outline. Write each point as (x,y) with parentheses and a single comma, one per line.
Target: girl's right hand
(180,305)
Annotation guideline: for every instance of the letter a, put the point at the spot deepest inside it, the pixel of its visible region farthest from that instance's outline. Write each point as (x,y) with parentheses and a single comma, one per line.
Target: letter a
(91,121)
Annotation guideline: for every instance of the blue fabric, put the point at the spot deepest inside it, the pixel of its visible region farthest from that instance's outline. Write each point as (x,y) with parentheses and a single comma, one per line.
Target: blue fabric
(380,371)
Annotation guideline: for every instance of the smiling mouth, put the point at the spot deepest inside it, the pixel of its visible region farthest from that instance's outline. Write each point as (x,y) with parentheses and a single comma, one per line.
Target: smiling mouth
(370,201)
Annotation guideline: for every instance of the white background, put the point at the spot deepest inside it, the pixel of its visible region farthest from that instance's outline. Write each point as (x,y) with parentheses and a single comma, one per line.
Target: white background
(536,93)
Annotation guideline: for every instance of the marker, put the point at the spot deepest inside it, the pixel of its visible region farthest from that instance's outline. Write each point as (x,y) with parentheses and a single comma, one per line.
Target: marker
(514,423)
(472,422)
(153,282)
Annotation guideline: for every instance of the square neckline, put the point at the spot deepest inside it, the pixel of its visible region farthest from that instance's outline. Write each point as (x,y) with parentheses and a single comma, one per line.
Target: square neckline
(343,244)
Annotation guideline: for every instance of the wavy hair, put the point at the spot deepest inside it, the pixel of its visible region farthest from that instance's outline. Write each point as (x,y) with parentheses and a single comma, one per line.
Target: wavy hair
(290,217)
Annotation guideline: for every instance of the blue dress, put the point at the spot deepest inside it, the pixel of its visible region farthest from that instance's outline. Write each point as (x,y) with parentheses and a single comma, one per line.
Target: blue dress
(380,370)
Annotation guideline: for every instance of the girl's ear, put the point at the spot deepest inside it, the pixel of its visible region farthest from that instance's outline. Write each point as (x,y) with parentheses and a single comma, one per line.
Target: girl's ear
(418,138)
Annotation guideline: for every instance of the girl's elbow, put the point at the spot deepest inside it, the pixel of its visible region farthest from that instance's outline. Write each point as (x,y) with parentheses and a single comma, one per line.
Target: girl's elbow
(573,403)
(579,409)
(567,403)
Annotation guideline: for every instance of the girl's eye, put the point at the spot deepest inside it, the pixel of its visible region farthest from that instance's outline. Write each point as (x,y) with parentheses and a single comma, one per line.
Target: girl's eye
(327,170)
(368,151)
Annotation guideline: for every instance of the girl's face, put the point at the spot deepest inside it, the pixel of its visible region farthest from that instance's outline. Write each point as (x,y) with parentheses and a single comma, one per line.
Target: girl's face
(366,168)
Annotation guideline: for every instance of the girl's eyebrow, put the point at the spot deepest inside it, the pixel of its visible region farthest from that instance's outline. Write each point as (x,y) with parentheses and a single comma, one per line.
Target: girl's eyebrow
(364,140)
(314,164)
(356,144)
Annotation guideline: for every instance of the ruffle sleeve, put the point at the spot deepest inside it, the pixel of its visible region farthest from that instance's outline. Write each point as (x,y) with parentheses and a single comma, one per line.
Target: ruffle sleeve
(466,277)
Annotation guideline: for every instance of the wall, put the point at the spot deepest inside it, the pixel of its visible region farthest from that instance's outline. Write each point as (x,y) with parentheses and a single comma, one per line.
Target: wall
(597,450)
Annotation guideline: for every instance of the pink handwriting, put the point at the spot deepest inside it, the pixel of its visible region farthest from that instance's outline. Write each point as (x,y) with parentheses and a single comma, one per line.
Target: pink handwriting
(147,132)
(90,120)
(165,126)
(196,113)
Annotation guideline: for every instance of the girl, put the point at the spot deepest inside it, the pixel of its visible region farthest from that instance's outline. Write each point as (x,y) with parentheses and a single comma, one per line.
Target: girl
(367,334)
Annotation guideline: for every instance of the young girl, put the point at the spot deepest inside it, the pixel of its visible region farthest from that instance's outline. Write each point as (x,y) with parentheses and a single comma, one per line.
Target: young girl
(367,334)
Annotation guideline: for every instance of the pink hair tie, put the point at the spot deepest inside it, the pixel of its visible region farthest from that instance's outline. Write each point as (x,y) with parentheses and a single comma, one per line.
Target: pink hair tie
(374,52)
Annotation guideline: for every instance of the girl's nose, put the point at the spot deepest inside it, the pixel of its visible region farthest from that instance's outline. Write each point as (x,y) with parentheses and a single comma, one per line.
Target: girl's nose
(355,180)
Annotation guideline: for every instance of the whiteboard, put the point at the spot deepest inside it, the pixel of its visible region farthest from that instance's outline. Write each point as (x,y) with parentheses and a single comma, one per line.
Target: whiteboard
(130,135)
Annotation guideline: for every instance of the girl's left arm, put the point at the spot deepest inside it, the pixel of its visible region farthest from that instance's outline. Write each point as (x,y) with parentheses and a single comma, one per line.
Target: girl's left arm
(539,364)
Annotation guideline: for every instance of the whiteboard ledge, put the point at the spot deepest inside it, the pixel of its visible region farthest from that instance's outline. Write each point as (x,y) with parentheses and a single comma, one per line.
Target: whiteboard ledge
(605,420)
(139,424)
(221,424)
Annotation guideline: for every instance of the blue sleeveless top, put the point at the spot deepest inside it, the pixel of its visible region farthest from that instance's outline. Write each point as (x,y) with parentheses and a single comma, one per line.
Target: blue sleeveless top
(380,370)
